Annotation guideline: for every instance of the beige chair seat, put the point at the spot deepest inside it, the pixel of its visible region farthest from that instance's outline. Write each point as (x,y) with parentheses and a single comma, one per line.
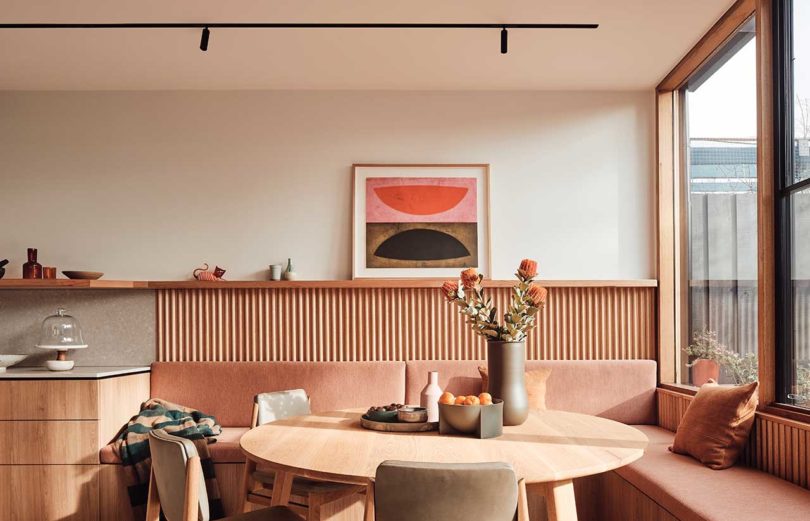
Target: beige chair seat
(693,492)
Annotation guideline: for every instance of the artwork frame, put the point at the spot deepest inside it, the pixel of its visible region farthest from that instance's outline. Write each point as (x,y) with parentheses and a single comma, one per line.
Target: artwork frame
(441,222)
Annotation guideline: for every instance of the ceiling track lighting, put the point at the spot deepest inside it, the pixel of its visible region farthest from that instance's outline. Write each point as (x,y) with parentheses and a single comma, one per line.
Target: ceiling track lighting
(204,39)
(220,25)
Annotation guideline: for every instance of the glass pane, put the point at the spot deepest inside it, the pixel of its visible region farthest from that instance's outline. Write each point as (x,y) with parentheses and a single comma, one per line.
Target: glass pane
(721,157)
(801,86)
(799,392)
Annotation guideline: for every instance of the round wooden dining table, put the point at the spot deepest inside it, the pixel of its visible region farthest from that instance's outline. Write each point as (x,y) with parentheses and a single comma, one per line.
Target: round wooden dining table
(547,452)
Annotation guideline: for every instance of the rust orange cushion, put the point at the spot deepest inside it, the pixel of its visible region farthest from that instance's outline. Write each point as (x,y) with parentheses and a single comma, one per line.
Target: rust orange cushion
(535,386)
(716,424)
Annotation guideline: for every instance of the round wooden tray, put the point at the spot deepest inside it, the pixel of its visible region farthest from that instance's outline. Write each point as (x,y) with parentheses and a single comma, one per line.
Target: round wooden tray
(397,426)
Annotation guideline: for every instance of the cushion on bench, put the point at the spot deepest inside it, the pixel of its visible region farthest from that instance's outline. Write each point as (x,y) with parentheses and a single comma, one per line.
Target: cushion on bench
(620,390)
(226,389)
(693,492)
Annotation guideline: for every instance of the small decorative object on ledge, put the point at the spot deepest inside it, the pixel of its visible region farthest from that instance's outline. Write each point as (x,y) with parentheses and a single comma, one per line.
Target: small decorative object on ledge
(506,343)
(61,333)
(289,273)
(49,272)
(275,272)
(32,269)
(3,267)
(83,275)
(204,275)
(9,360)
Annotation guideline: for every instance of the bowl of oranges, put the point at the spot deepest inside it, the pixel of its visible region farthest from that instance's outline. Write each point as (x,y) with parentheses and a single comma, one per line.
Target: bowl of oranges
(464,413)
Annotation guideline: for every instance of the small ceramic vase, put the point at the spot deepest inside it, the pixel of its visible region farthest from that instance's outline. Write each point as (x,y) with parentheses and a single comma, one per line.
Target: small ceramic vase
(430,396)
(275,272)
(289,274)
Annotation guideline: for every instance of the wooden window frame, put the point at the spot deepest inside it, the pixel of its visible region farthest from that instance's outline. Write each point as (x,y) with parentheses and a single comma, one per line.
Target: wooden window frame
(671,200)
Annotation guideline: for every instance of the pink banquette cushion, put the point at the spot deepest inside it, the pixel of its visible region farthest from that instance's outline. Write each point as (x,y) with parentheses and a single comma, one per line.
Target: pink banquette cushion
(620,390)
(226,389)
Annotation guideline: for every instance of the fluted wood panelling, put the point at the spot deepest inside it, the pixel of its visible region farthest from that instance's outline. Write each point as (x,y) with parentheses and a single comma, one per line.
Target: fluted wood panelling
(777,445)
(359,324)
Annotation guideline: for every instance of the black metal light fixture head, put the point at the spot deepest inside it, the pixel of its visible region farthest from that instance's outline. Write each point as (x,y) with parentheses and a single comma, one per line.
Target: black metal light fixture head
(504,41)
(204,40)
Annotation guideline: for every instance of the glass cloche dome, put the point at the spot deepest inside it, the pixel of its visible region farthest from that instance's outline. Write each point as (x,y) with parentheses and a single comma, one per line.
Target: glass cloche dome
(61,332)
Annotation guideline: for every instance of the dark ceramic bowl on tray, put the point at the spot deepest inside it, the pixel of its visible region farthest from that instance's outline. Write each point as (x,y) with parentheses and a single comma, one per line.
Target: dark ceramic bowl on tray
(383,413)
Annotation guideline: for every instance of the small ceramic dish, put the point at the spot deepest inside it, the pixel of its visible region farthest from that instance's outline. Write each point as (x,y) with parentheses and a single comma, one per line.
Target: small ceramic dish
(382,416)
(83,275)
(412,415)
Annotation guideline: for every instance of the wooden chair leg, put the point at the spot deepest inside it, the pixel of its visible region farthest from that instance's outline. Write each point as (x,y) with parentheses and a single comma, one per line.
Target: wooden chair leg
(152,501)
(247,484)
(282,486)
(369,514)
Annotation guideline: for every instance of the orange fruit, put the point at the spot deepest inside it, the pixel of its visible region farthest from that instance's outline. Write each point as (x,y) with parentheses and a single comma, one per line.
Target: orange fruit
(447,398)
(486,398)
(460,400)
(472,400)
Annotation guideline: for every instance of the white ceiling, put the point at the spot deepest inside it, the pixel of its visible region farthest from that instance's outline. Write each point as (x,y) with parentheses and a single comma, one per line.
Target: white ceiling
(637,43)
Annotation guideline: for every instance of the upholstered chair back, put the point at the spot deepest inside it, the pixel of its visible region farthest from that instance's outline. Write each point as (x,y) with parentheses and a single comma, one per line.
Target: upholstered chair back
(170,461)
(281,404)
(405,491)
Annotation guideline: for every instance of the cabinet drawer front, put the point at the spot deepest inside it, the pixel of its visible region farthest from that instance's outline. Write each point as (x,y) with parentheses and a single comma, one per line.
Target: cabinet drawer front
(48,442)
(48,400)
(49,492)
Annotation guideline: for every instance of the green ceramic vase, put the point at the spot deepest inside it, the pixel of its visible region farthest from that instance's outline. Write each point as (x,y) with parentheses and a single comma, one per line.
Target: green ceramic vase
(506,363)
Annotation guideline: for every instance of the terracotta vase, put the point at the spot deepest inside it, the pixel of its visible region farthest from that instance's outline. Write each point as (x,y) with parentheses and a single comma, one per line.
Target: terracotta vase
(506,363)
(703,370)
(32,269)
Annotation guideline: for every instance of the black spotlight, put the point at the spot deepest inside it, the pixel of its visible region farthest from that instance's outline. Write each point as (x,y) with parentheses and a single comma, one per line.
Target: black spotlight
(204,40)
(504,41)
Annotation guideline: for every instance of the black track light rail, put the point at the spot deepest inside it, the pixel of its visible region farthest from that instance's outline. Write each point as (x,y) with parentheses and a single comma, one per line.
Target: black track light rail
(255,25)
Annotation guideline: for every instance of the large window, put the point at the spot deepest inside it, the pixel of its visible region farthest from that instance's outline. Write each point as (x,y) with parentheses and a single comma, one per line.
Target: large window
(720,198)
(792,108)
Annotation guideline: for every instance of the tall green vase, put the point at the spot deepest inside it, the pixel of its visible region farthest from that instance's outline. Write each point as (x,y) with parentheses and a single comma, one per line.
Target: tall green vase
(506,363)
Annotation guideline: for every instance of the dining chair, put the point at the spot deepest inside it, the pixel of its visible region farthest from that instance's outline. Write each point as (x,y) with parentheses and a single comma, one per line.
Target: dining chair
(177,487)
(305,496)
(404,490)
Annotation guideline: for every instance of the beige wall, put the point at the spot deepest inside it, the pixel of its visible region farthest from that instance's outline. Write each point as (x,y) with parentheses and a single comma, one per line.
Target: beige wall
(147,185)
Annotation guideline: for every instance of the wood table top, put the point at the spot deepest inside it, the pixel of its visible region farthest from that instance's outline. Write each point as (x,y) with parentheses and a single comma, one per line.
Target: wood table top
(550,446)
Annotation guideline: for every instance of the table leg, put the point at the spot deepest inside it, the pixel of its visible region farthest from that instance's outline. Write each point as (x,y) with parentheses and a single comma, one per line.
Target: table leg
(369,513)
(560,502)
(282,486)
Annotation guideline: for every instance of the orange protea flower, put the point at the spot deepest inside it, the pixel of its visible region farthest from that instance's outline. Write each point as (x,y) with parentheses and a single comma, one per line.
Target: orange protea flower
(450,290)
(536,295)
(528,269)
(469,278)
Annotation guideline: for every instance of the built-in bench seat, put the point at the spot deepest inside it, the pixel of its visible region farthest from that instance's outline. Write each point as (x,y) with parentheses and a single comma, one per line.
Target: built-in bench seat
(690,491)
(678,487)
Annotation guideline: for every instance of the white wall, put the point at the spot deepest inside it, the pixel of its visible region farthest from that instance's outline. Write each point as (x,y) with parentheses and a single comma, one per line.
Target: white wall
(147,185)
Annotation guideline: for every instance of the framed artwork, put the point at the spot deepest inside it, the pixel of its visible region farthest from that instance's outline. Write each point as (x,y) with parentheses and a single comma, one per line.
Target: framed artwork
(420,221)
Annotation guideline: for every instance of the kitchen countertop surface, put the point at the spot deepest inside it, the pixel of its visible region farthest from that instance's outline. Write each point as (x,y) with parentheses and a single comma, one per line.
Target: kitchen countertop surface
(77,373)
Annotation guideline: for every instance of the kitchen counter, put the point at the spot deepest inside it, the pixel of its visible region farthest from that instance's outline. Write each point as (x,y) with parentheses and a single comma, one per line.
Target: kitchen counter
(77,373)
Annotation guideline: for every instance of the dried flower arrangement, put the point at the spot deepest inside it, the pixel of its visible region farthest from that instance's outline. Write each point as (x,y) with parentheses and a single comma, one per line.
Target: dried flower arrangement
(528,298)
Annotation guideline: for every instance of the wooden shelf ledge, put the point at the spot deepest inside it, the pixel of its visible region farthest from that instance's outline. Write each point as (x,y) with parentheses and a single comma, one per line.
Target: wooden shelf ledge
(301,284)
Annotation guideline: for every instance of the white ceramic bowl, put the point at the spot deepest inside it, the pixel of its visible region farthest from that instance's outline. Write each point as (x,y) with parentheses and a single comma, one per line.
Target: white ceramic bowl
(9,360)
(59,365)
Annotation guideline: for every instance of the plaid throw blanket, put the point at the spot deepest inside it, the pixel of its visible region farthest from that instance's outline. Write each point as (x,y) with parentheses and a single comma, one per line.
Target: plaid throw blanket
(132,446)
